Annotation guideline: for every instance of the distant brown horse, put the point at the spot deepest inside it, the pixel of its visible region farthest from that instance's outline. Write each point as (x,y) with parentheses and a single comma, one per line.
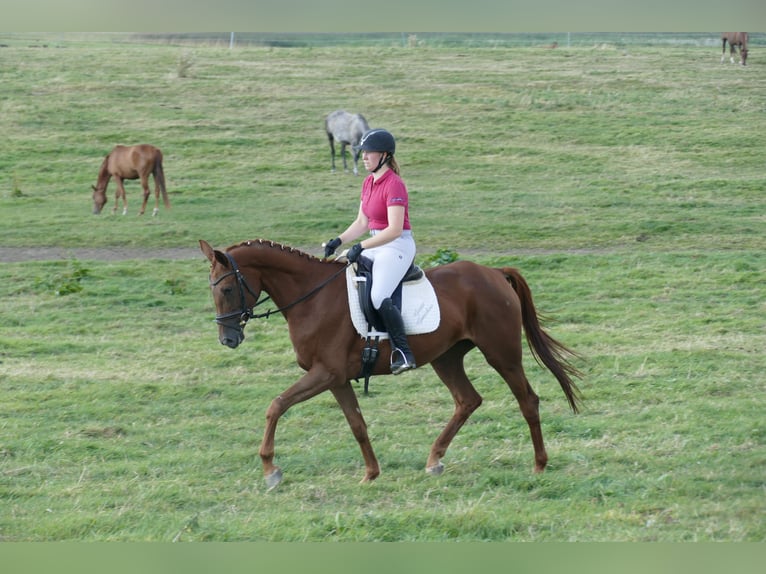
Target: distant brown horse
(130,162)
(480,307)
(735,40)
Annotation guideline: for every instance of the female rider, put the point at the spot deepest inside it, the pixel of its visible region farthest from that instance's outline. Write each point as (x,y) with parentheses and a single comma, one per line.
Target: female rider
(384,213)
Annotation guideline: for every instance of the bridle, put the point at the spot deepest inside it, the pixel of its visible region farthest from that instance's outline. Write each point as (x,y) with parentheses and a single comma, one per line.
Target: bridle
(245,313)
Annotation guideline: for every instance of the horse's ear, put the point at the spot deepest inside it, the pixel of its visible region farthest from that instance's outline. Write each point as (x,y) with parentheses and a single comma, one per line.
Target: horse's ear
(211,254)
(207,250)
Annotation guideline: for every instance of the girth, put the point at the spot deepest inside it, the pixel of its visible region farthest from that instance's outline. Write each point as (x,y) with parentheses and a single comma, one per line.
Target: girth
(363,278)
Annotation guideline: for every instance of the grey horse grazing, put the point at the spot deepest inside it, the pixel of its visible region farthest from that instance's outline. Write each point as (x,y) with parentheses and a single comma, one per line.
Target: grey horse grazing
(735,39)
(346,129)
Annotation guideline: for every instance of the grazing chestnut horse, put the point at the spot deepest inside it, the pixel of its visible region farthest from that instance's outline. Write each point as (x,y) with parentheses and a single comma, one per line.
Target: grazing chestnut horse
(130,162)
(735,39)
(480,307)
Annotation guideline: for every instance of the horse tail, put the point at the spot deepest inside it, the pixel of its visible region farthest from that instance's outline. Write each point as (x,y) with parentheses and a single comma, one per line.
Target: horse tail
(159,177)
(547,351)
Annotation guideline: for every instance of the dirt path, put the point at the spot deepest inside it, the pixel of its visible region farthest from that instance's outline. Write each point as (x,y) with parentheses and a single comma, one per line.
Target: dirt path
(16,254)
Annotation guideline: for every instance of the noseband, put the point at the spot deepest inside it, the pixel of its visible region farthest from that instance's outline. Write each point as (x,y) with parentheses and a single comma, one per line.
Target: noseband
(246,313)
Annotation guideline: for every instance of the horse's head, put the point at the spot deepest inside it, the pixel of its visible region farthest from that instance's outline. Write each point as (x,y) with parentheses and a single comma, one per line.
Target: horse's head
(99,199)
(230,293)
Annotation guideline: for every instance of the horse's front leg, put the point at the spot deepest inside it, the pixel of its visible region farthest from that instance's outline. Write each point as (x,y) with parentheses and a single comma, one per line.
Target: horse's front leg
(449,368)
(315,381)
(347,400)
(120,193)
(343,155)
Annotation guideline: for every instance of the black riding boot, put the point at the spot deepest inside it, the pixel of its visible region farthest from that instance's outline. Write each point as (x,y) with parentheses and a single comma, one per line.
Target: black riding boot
(401,355)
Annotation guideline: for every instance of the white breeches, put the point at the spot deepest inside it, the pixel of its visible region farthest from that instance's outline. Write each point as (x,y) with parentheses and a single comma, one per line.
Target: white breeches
(390,262)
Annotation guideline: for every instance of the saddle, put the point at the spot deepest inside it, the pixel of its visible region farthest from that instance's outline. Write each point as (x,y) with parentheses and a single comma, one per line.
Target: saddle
(420,309)
(363,280)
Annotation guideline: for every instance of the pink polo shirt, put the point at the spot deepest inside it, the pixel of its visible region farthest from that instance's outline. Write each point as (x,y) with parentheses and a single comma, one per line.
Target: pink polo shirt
(378,195)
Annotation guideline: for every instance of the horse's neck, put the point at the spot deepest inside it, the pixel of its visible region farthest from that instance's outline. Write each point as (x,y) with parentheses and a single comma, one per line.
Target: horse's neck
(285,275)
(103,174)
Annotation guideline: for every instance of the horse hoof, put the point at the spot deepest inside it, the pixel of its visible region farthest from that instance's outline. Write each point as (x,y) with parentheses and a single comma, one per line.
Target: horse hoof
(436,469)
(273,480)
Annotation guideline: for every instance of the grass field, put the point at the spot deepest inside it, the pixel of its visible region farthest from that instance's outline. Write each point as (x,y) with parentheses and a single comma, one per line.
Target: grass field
(625,180)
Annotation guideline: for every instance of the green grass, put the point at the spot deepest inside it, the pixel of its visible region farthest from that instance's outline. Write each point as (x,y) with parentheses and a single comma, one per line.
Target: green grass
(624,179)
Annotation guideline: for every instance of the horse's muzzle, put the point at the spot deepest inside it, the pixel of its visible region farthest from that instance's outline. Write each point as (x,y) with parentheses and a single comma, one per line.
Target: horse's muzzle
(231,337)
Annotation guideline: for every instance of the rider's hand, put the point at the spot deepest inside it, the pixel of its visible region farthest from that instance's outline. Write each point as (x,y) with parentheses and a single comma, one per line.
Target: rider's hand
(331,246)
(354,253)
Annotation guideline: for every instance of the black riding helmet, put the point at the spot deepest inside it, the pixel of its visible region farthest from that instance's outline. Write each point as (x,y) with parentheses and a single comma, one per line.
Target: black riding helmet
(379,140)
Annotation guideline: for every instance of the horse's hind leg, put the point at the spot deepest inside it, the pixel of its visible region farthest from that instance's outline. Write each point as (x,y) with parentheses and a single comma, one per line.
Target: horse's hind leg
(449,368)
(509,366)
(156,209)
(503,351)
(332,152)
(529,403)
(147,193)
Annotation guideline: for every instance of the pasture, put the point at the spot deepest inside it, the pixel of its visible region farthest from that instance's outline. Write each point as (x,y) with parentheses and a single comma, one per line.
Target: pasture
(625,180)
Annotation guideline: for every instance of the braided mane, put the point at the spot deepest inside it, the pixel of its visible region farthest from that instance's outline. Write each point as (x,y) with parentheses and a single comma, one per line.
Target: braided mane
(274,245)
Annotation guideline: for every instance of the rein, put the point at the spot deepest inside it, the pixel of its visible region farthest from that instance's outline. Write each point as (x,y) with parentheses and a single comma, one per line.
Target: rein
(245,313)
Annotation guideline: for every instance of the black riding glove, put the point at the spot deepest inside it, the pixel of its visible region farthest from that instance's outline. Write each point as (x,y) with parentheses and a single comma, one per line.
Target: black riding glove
(331,246)
(354,253)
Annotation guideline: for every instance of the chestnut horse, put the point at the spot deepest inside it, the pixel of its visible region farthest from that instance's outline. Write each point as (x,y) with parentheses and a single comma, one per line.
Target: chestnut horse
(480,307)
(130,162)
(735,39)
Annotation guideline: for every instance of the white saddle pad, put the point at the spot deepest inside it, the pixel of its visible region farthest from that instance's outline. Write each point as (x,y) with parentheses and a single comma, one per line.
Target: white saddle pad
(420,308)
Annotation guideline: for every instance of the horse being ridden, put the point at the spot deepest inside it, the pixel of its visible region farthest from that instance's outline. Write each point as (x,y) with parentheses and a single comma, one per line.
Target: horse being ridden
(735,39)
(346,129)
(481,307)
(130,162)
